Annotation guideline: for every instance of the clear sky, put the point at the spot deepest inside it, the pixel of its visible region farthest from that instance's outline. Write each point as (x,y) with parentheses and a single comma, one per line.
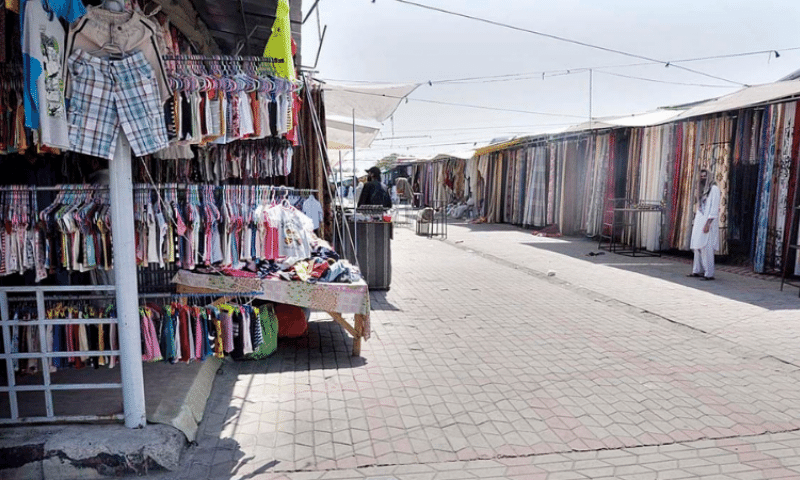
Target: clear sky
(529,83)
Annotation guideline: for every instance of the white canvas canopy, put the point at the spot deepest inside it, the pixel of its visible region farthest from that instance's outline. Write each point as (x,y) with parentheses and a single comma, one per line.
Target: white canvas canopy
(372,104)
(744,98)
(656,117)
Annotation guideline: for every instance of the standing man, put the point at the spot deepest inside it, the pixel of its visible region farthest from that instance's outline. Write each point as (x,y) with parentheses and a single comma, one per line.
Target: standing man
(374,193)
(705,231)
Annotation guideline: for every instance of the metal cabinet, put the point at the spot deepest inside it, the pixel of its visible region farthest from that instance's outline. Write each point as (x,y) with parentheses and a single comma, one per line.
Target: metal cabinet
(374,251)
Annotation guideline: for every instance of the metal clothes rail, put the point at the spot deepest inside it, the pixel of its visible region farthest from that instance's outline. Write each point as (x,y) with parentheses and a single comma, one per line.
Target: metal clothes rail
(218,58)
(150,186)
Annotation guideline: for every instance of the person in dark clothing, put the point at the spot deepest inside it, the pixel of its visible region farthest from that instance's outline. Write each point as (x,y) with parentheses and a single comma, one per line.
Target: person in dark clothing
(374,193)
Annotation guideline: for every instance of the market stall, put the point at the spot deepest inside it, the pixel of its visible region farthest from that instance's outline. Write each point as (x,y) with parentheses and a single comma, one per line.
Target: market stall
(334,298)
(185,159)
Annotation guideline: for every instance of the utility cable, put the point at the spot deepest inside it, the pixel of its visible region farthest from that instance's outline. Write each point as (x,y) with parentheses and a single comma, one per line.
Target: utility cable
(528,75)
(453,136)
(488,127)
(568,40)
(665,81)
(483,107)
(425,145)
(491,78)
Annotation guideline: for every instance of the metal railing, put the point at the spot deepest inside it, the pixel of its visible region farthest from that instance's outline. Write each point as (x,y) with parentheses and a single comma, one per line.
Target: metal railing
(45,356)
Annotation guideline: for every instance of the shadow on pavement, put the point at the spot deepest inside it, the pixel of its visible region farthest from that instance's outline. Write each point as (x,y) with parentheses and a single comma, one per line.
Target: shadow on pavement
(231,442)
(378,301)
(733,282)
(326,345)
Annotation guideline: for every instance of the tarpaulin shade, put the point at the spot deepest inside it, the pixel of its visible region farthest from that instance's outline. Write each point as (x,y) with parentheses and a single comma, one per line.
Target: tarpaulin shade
(371,104)
(746,97)
(647,119)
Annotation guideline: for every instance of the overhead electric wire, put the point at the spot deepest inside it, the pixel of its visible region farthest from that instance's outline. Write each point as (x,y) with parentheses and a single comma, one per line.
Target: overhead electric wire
(404,136)
(496,109)
(450,137)
(483,107)
(384,142)
(454,135)
(665,81)
(731,55)
(491,127)
(529,75)
(568,40)
(474,142)
(559,73)
(513,76)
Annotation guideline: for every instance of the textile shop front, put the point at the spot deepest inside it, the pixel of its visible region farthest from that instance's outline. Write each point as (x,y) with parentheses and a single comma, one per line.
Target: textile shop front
(137,152)
(575,180)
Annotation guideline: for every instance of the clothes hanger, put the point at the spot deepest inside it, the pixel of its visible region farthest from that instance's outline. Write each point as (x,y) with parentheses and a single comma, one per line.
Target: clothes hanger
(115,6)
(113,50)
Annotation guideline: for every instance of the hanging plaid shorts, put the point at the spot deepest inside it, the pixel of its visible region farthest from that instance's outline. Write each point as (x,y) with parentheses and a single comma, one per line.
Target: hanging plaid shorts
(107,94)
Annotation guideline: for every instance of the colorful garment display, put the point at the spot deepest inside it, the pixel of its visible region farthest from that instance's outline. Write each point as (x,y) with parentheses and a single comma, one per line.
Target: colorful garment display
(83,344)
(218,101)
(573,182)
(171,332)
(226,226)
(43,50)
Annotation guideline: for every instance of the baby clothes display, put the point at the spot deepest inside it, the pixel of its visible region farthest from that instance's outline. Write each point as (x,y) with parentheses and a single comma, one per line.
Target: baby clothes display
(313,209)
(81,343)
(179,332)
(173,332)
(258,159)
(189,227)
(245,225)
(220,100)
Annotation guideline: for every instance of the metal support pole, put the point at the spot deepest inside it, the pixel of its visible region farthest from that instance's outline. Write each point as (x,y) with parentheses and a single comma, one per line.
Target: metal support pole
(244,24)
(355,200)
(590,98)
(343,224)
(130,338)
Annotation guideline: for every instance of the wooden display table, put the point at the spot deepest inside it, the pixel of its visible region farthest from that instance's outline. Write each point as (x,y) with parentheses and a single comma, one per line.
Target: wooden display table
(334,298)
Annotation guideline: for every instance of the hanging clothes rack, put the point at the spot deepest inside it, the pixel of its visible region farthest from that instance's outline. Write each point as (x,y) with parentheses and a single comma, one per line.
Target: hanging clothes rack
(218,58)
(159,186)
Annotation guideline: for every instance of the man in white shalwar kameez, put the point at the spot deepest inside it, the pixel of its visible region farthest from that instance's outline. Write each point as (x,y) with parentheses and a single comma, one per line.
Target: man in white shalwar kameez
(705,230)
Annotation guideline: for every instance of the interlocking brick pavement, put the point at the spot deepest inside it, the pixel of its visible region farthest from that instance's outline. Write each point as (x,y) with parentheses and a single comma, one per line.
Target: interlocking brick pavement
(482,365)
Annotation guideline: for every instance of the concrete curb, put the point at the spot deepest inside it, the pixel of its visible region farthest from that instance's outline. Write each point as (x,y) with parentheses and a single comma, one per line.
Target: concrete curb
(88,451)
(185,412)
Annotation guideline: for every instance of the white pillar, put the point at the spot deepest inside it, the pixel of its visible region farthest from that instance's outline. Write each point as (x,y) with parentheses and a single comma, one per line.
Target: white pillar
(130,337)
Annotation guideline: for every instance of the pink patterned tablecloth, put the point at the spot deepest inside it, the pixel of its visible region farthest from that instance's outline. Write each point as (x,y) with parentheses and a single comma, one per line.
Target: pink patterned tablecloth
(328,297)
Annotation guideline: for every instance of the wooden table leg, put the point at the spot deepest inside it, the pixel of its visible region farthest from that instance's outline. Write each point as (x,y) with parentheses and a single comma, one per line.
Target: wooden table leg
(359,321)
(355,330)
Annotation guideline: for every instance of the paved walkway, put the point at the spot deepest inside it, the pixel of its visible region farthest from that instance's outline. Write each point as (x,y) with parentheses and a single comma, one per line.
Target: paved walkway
(497,354)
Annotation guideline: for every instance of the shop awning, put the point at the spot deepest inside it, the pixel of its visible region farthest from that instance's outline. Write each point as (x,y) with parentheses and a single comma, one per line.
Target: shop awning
(745,98)
(647,119)
(370,103)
